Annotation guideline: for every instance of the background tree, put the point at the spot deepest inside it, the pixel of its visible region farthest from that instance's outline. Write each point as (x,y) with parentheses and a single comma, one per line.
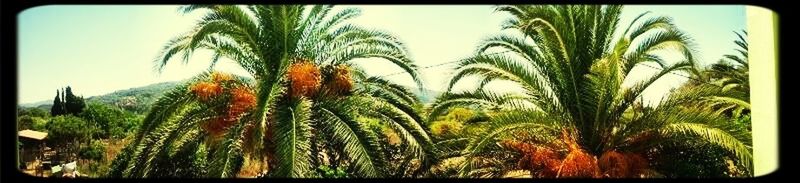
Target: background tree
(111,121)
(74,104)
(730,76)
(65,134)
(31,123)
(58,105)
(32,111)
(31,118)
(94,151)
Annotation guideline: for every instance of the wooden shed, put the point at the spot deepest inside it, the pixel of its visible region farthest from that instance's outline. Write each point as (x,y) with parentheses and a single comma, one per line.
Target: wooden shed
(32,149)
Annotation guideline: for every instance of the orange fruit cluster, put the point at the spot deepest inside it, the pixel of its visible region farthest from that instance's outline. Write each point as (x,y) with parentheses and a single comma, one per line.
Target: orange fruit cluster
(305,79)
(206,90)
(242,100)
(579,164)
(217,126)
(622,165)
(341,83)
(541,161)
(614,164)
(545,162)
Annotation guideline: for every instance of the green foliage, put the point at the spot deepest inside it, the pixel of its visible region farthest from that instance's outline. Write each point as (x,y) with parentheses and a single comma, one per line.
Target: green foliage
(371,122)
(328,172)
(67,103)
(93,169)
(65,134)
(32,112)
(73,104)
(189,160)
(265,40)
(744,121)
(136,100)
(697,161)
(111,121)
(32,123)
(571,67)
(459,114)
(730,76)
(120,162)
(446,128)
(451,124)
(66,129)
(95,151)
(58,107)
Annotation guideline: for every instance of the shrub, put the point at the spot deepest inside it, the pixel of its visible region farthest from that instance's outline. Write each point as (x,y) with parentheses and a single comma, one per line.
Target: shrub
(94,151)
(328,172)
(446,128)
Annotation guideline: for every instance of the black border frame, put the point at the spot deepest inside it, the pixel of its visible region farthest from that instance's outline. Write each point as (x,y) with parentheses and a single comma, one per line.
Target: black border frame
(10,172)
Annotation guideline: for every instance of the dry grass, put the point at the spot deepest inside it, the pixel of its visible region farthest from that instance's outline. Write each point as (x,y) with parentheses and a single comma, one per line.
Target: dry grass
(113,147)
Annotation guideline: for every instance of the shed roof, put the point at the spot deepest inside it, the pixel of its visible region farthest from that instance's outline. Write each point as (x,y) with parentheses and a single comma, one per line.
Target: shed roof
(37,135)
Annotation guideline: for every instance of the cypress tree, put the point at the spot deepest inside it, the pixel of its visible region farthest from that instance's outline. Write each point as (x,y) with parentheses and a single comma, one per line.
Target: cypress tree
(58,105)
(74,104)
(63,101)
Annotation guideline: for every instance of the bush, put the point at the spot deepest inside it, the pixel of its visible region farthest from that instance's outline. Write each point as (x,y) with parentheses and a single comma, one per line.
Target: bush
(446,128)
(31,122)
(94,151)
(112,122)
(64,131)
(459,114)
(94,169)
(32,111)
(120,162)
(327,172)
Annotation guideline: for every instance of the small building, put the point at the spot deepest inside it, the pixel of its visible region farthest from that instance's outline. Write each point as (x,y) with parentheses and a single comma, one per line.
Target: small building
(32,150)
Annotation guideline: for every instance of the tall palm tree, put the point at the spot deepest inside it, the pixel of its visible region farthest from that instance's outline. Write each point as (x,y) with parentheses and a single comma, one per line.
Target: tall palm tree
(297,112)
(575,117)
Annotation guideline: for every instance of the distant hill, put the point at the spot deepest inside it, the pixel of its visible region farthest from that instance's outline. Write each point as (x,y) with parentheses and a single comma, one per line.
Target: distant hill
(46,107)
(136,100)
(39,103)
(139,99)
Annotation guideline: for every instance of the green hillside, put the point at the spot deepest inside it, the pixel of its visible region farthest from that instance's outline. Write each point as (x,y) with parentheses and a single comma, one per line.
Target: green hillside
(139,99)
(136,100)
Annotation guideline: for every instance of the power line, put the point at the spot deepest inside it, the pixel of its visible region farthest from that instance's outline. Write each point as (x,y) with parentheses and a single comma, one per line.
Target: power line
(441,64)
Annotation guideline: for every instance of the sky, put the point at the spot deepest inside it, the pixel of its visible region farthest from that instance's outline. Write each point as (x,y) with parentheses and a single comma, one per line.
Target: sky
(98,49)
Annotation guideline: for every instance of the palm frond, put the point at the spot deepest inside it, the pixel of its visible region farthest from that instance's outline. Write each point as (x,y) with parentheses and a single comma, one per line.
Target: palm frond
(504,123)
(227,158)
(361,145)
(292,136)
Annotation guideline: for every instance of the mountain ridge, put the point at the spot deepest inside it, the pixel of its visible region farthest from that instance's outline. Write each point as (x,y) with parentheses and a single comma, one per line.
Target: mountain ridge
(138,99)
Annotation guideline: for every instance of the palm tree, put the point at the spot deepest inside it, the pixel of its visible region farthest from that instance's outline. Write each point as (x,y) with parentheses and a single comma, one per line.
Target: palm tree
(731,76)
(298,107)
(575,107)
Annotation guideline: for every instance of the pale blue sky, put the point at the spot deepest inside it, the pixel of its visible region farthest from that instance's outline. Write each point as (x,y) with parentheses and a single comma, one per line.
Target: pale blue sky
(101,49)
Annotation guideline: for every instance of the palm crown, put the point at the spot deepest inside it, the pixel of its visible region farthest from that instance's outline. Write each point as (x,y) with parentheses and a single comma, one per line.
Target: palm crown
(572,69)
(301,108)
